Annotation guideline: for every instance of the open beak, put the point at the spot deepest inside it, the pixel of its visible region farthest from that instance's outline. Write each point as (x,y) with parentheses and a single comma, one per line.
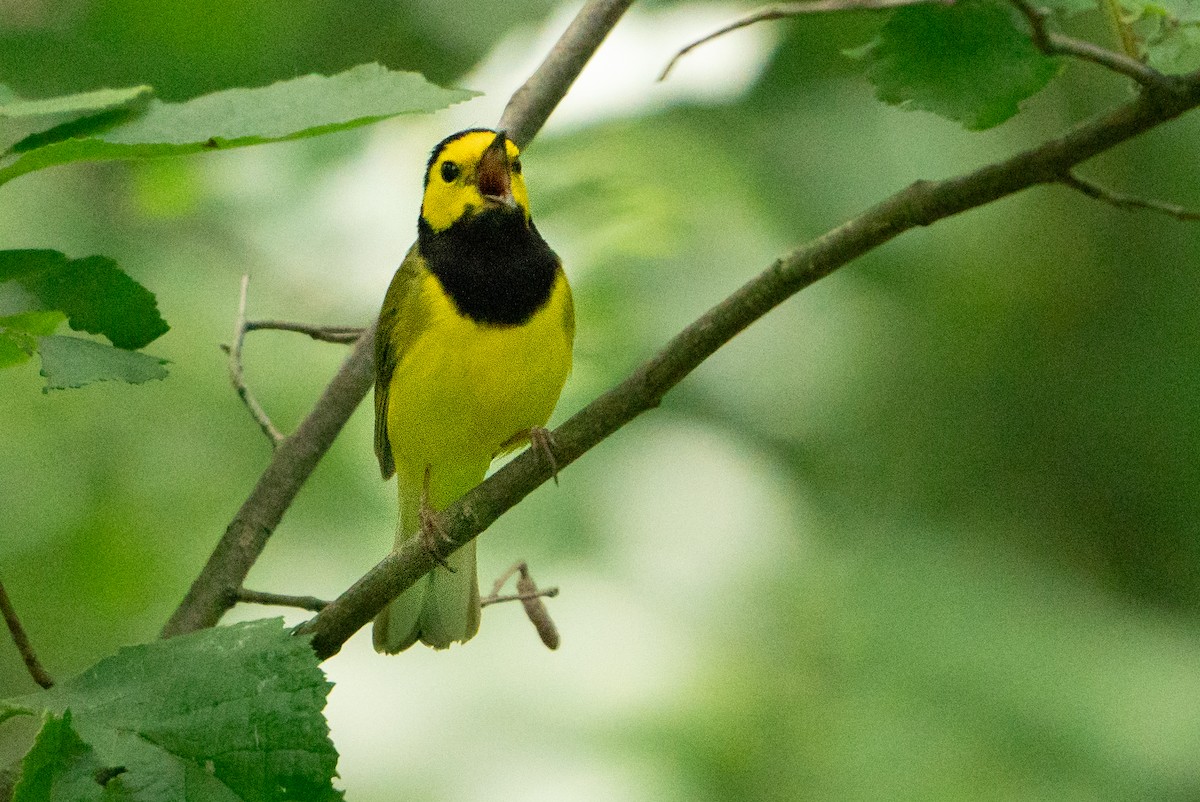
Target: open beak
(493,175)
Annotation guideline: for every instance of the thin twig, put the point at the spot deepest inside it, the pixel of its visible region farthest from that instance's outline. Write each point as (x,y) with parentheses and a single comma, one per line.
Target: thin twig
(500,582)
(279,600)
(1123,201)
(1053,44)
(793,10)
(921,204)
(329,334)
(235,371)
(296,457)
(548,593)
(36,670)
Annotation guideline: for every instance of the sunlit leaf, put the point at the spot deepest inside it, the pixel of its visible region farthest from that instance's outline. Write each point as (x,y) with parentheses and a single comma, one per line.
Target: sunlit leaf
(305,106)
(81,103)
(19,334)
(15,349)
(39,323)
(26,124)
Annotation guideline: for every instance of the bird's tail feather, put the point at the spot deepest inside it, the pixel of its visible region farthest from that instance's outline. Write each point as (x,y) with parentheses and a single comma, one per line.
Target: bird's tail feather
(443,606)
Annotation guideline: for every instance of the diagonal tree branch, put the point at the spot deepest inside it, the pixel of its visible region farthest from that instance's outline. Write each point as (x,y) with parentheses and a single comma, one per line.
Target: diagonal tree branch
(296,455)
(921,204)
(531,105)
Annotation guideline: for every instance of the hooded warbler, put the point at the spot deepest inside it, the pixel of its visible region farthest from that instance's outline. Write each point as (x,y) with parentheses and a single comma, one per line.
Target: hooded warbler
(471,353)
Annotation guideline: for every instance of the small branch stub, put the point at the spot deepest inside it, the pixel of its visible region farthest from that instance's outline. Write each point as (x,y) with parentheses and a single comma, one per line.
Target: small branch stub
(343,335)
(36,670)
(531,599)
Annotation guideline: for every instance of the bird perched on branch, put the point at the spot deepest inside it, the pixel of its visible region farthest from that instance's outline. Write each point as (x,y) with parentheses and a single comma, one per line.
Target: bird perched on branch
(471,353)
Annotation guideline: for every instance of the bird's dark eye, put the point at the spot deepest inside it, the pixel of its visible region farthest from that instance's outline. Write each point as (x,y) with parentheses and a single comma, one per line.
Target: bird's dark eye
(516,166)
(450,171)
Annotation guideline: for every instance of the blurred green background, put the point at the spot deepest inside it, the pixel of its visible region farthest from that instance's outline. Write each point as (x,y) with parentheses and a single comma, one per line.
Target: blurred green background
(928,531)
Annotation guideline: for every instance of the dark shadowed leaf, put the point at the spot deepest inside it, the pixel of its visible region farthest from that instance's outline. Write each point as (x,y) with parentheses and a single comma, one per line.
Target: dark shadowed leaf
(968,62)
(96,295)
(222,715)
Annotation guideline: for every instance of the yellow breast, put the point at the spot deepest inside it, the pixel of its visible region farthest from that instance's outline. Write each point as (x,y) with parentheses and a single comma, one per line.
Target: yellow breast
(462,390)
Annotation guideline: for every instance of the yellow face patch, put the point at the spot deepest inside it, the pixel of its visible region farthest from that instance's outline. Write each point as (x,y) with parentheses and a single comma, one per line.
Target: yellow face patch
(452,192)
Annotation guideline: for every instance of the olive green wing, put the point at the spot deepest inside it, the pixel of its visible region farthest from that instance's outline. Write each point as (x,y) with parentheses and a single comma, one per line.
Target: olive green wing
(400,321)
(569,306)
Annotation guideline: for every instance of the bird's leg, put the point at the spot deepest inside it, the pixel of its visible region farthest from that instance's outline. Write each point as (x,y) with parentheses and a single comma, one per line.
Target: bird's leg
(540,440)
(431,526)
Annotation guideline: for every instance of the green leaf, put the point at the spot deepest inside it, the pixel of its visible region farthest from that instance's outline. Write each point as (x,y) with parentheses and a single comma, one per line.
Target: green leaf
(74,362)
(19,333)
(39,323)
(968,62)
(61,767)
(230,714)
(301,107)
(1168,31)
(1069,8)
(14,350)
(78,104)
(28,123)
(96,295)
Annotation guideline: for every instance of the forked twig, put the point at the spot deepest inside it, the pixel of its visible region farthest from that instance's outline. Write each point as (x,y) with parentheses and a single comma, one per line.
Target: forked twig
(235,371)
(1053,44)
(36,670)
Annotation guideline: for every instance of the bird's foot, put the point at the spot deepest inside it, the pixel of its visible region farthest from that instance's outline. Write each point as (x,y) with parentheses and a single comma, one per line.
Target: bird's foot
(432,530)
(542,441)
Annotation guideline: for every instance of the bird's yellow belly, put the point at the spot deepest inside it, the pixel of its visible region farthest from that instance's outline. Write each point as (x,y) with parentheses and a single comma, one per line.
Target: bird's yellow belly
(462,391)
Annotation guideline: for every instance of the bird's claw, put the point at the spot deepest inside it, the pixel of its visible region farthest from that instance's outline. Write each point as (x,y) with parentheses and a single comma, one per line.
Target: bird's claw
(431,527)
(542,441)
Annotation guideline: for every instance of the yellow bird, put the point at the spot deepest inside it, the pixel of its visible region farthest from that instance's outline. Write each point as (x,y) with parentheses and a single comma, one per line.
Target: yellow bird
(473,348)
